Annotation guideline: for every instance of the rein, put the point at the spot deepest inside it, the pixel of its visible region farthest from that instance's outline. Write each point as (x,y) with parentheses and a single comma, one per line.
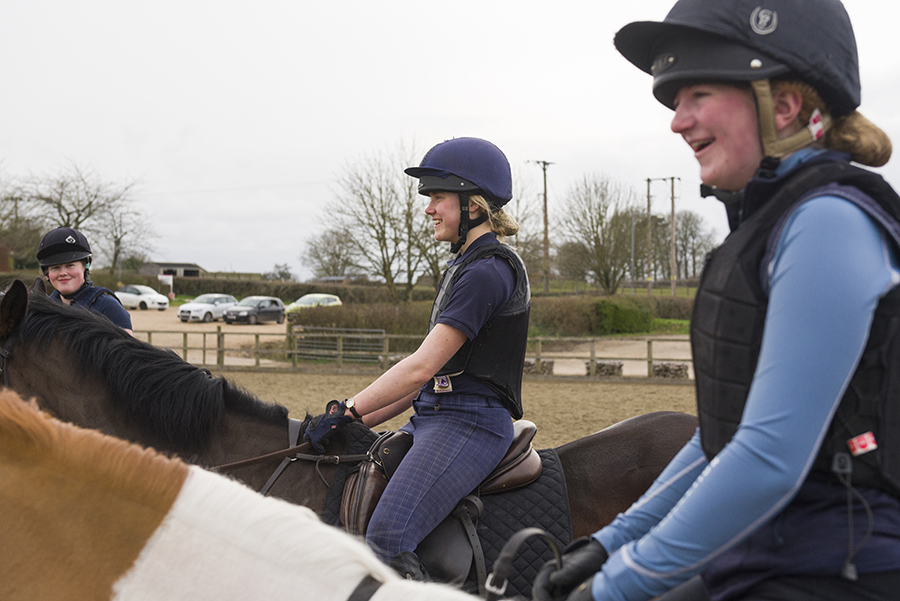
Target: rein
(5,352)
(294,452)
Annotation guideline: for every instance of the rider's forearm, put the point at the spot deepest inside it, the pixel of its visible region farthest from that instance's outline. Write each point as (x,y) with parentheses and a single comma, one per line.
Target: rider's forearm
(410,374)
(380,416)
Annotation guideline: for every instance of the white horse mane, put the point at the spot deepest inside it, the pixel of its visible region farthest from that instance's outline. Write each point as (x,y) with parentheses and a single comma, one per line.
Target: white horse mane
(225,541)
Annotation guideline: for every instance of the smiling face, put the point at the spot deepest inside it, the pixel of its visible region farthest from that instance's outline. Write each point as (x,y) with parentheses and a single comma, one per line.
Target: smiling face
(719,123)
(66,278)
(444,212)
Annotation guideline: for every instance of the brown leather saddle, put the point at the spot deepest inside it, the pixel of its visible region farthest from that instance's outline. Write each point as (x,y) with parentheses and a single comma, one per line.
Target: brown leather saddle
(450,550)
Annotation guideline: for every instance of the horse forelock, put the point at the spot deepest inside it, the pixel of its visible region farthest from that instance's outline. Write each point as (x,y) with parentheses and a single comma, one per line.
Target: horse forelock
(169,398)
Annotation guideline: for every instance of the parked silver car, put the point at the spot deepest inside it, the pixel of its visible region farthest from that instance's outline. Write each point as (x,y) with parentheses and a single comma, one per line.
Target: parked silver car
(142,297)
(206,307)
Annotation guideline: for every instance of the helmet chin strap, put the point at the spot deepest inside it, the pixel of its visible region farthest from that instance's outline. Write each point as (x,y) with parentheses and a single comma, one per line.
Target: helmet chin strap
(775,148)
(465,224)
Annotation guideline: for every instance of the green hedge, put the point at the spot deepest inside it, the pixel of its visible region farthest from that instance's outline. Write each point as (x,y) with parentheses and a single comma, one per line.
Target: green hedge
(550,316)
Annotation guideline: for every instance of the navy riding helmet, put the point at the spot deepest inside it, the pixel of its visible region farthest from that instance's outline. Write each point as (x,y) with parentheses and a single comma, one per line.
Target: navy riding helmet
(464,166)
(63,245)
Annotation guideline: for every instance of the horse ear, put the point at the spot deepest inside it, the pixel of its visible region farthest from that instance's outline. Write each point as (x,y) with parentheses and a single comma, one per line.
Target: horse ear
(12,308)
(38,286)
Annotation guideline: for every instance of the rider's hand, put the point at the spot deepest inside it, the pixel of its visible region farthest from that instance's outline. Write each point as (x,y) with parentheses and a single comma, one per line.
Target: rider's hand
(581,560)
(322,426)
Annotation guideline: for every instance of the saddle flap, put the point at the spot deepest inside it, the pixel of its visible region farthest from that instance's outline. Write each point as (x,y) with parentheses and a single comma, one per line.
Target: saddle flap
(362,491)
(447,552)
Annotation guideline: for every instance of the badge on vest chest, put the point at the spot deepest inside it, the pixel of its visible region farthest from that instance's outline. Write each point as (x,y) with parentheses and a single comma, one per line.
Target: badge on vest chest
(442,384)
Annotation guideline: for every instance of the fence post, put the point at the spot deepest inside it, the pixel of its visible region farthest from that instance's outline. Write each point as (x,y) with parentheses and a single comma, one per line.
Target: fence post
(288,333)
(220,346)
(649,358)
(204,348)
(150,338)
(293,348)
(385,361)
(537,357)
(593,369)
(256,348)
(185,345)
(340,351)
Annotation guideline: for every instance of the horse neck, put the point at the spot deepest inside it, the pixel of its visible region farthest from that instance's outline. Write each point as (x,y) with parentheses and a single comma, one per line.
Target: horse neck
(78,505)
(242,437)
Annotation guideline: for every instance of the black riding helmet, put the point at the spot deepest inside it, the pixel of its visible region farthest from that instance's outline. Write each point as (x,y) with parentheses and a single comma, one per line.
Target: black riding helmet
(464,166)
(747,40)
(63,245)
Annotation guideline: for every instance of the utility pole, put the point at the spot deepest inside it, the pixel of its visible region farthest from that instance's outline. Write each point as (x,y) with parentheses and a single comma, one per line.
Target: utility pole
(672,262)
(545,265)
(650,237)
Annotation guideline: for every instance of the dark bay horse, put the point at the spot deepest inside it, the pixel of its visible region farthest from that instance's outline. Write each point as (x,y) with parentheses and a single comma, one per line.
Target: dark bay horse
(84,370)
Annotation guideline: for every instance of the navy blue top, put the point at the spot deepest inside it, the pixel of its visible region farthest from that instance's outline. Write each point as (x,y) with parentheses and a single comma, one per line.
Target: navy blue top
(100,300)
(482,290)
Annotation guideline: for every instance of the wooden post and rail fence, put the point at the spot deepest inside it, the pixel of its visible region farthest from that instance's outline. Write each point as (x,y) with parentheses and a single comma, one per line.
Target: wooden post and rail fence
(226,348)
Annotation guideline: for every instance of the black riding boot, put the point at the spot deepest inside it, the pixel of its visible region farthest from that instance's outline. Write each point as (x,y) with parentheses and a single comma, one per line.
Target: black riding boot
(408,565)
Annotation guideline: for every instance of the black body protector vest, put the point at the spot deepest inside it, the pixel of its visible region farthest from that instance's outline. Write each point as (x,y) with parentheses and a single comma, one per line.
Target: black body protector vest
(730,310)
(496,355)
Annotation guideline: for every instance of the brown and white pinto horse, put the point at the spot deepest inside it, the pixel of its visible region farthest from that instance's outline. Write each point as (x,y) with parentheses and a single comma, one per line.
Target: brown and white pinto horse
(86,516)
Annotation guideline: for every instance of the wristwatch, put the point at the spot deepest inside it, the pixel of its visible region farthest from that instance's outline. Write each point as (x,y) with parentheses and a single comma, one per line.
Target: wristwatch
(350,404)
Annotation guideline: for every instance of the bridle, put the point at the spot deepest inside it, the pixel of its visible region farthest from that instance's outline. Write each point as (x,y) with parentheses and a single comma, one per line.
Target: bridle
(293,452)
(5,352)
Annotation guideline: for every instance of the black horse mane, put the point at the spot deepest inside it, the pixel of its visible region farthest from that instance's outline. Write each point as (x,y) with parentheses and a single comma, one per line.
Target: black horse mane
(169,398)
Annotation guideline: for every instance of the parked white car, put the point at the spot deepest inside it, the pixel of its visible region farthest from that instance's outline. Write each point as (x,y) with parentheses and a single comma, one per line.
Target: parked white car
(314,300)
(206,307)
(142,297)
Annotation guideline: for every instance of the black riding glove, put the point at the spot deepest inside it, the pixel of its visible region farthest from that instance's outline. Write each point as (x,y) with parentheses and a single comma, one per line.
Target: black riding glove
(581,560)
(321,427)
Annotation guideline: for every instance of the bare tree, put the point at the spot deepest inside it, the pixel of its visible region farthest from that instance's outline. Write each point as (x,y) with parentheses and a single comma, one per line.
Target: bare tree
(329,254)
(596,215)
(378,207)
(76,197)
(80,198)
(692,241)
(122,231)
(526,208)
(281,273)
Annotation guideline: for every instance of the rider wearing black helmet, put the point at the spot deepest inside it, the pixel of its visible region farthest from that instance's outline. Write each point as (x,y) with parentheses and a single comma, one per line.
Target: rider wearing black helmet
(64,255)
(791,488)
(465,379)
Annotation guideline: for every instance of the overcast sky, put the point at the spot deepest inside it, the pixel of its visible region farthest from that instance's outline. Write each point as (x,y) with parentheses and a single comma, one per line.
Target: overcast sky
(235,117)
